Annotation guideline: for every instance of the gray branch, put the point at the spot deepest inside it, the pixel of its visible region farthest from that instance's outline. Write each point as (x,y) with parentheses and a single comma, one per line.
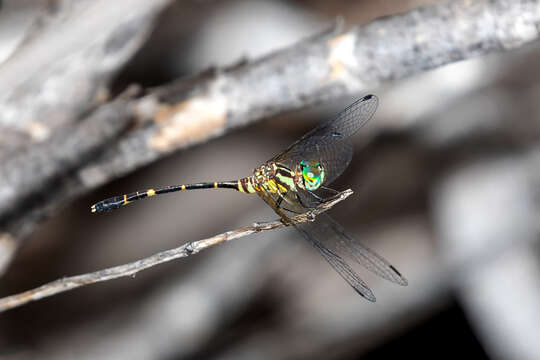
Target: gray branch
(191,248)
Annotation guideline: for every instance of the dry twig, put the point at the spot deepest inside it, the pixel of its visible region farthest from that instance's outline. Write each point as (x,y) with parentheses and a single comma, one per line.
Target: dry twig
(191,248)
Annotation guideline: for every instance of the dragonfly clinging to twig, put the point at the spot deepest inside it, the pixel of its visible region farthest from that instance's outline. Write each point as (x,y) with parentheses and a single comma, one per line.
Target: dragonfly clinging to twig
(294,182)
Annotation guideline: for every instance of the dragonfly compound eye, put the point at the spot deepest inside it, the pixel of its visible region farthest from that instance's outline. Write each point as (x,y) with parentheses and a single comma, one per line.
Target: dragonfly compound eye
(313,174)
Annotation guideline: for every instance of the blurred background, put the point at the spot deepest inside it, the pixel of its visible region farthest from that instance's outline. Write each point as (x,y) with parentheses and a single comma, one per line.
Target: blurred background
(446,188)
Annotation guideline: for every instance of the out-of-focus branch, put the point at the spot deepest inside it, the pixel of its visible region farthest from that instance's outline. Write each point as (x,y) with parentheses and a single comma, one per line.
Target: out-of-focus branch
(63,68)
(191,248)
(50,88)
(331,64)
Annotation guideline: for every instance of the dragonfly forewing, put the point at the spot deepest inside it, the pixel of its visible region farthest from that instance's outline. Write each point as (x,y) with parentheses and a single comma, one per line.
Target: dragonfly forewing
(328,143)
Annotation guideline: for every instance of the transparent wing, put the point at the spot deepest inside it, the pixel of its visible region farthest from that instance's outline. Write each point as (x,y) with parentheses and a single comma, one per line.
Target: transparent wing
(339,248)
(336,238)
(328,143)
(330,235)
(336,262)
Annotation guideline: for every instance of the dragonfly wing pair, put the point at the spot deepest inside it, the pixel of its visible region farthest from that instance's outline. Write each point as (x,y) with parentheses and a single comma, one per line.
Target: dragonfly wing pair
(340,249)
(328,144)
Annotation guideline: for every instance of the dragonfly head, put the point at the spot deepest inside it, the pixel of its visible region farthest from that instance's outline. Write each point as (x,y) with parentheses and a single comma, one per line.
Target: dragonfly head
(312,174)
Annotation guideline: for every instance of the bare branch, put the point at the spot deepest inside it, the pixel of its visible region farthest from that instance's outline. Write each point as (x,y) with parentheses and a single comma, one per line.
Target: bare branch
(64,67)
(328,65)
(191,248)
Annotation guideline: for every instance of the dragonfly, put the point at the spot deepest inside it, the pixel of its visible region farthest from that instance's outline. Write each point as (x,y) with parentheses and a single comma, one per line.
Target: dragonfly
(294,182)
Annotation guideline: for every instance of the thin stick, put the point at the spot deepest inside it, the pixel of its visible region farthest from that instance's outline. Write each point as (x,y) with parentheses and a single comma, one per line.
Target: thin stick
(191,248)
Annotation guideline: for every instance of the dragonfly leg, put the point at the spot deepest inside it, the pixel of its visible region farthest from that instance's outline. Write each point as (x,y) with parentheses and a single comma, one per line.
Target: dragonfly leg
(300,201)
(330,189)
(320,199)
(309,212)
(293,211)
(280,200)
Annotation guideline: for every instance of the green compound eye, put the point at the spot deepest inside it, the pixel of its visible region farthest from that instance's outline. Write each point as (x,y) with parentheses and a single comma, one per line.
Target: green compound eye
(313,174)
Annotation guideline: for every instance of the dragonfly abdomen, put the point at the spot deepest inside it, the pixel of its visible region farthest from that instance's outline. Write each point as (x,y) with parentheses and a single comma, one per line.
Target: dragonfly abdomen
(248,185)
(119,201)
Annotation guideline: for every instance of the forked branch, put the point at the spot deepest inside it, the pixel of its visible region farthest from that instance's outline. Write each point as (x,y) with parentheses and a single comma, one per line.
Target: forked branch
(190,248)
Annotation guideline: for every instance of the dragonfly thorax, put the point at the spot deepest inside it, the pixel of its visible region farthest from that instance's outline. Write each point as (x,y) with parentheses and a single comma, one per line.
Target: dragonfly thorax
(271,178)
